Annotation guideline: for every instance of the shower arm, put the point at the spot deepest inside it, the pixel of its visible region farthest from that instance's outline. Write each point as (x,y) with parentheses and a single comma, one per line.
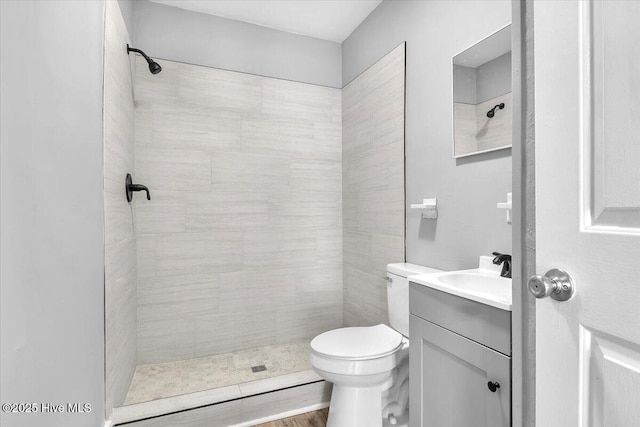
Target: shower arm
(133,49)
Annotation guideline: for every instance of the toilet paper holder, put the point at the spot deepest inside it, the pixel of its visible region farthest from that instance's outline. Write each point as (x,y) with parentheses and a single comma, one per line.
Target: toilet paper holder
(429,208)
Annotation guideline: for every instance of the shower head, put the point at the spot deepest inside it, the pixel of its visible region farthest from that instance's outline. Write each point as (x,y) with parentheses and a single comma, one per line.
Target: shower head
(492,112)
(154,67)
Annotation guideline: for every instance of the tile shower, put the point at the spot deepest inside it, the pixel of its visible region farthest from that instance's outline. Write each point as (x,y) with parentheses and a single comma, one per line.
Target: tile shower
(240,246)
(237,259)
(243,231)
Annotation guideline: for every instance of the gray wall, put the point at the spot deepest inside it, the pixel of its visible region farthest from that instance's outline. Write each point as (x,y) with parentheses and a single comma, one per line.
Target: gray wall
(477,85)
(464,84)
(467,189)
(494,78)
(180,35)
(51,197)
(126,8)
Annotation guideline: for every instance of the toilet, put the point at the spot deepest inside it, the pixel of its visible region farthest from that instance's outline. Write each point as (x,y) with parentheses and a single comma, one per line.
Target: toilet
(369,366)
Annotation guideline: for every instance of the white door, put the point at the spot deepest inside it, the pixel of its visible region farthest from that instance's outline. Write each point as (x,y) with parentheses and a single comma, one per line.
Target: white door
(587,126)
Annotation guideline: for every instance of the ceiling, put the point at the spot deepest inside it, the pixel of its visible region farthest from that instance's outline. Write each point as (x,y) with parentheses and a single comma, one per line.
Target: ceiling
(332,20)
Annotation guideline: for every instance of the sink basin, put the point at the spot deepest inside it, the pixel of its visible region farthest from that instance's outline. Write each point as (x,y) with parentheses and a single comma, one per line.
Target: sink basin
(476,282)
(482,284)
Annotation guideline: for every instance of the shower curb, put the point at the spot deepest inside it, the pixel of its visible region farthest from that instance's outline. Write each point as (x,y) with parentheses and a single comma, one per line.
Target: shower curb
(227,403)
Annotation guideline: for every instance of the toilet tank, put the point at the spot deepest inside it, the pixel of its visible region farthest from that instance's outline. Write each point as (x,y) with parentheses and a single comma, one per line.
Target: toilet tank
(398,293)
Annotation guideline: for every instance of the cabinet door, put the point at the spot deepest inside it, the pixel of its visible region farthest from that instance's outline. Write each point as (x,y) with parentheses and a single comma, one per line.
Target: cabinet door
(449,376)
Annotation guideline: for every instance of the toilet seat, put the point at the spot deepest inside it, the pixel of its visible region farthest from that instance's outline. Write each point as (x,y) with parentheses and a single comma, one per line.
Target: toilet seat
(370,350)
(357,343)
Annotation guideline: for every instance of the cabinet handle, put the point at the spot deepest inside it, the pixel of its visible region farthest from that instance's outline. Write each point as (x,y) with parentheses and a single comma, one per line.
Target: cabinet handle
(493,386)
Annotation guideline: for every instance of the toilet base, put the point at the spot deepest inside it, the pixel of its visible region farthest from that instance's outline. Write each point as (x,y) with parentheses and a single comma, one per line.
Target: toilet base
(355,407)
(374,400)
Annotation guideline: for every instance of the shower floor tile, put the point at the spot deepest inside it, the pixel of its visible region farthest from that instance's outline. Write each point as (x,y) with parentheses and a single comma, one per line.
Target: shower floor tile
(162,380)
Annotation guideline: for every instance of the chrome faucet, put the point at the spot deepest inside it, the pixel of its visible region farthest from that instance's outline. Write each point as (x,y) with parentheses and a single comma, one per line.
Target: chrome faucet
(505,260)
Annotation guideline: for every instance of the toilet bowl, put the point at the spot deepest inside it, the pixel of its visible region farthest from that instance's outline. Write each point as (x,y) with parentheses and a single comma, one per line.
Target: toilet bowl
(362,363)
(369,366)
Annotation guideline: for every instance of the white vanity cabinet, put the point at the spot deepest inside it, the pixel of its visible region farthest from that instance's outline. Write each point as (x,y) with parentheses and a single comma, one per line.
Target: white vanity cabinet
(460,361)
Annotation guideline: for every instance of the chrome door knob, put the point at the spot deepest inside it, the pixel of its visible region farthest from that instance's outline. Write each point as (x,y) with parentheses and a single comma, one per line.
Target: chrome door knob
(556,283)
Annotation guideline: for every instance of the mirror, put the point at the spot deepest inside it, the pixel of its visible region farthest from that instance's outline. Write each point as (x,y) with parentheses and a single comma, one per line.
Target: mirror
(482,96)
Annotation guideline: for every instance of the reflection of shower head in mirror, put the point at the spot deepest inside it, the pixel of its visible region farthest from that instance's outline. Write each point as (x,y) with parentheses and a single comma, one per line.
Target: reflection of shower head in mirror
(492,112)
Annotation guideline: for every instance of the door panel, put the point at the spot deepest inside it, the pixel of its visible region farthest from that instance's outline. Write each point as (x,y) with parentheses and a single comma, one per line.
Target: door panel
(611,376)
(611,90)
(587,115)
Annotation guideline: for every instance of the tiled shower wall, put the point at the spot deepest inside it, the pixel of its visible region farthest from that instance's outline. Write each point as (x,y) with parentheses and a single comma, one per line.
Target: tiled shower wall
(373,186)
(474,131)
(120,242)
(241,243)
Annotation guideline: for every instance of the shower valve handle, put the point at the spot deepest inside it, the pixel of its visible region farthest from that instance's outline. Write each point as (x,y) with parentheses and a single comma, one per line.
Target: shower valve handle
(140,187)
(130,187)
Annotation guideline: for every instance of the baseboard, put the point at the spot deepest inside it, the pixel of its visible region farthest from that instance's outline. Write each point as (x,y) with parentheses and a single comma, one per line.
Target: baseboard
(282,415)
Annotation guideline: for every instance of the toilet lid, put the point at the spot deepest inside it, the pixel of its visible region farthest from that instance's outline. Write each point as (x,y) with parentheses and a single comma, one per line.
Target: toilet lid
(357,342)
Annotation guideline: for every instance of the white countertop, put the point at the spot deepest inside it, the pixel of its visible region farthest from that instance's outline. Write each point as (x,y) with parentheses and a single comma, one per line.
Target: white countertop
(483,285)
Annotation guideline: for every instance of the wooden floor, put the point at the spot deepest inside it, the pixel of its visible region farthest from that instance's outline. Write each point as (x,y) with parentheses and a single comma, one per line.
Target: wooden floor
(310,419)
